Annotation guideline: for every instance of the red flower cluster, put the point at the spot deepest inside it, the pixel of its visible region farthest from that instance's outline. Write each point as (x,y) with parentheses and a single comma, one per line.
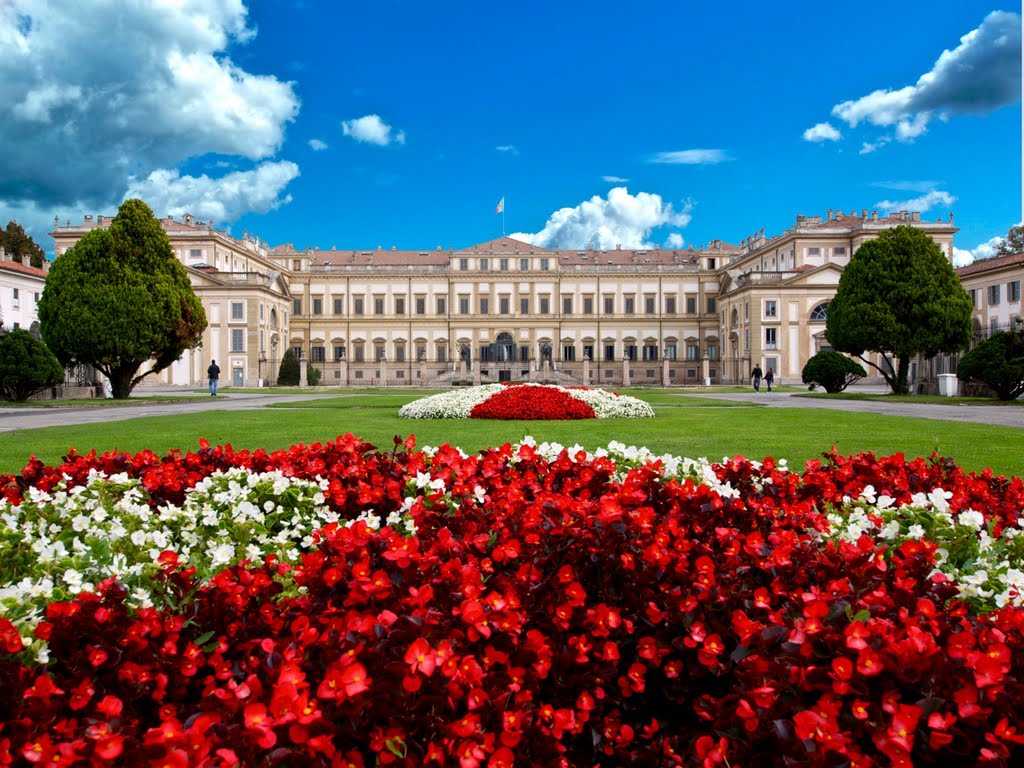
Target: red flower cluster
(520,402)
(568,619)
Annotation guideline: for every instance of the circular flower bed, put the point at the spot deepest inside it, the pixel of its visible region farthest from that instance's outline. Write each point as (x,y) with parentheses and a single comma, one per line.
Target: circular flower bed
(529,605)
(526,402)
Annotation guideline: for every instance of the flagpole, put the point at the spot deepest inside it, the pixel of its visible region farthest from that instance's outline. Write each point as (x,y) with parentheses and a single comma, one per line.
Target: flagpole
(502,215)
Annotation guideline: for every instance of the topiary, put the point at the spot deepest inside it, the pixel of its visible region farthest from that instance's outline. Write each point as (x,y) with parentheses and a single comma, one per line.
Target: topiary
(833,371)
(998,361)
(27,366)
(288,375)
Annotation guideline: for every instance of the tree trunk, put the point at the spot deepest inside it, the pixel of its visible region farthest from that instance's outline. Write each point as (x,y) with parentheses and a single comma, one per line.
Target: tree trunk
(901,384)
(121,382)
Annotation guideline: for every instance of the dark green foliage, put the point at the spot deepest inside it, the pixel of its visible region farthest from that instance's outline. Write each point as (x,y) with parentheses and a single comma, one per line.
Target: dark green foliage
(119,299)
(832,371)
(313,376)
(17,243)
(288,375)
(900,297)
(26,366)
(1013,242)
(999,362)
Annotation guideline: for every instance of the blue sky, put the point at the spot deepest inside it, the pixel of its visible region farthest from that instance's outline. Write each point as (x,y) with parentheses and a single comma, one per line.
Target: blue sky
(404,123)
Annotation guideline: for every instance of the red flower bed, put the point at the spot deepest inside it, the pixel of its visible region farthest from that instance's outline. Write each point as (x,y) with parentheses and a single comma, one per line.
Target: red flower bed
(526,402)
(559,618)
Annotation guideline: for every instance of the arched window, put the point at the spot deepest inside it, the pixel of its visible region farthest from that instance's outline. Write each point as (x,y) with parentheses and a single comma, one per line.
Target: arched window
(820,313)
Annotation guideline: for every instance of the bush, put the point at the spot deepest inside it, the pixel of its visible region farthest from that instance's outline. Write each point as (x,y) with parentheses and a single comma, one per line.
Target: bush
(27,366)
(288,375)
(313,376)
(998,361)
(833,371)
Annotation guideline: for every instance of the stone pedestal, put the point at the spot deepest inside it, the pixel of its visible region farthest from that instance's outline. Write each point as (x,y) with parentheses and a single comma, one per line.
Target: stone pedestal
(476,373)
(546,371)
(462,369)
(303,370)
(586,371)
(625,371)
(705,371)
(342,373)
(664,372)
(533,370)
(423,372)
(382,373)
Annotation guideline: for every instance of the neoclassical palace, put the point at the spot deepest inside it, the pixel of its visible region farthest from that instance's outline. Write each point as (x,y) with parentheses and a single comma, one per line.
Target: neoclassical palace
(507,310)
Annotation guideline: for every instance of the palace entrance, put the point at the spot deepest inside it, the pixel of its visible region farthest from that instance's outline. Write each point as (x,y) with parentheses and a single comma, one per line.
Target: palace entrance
(504,353)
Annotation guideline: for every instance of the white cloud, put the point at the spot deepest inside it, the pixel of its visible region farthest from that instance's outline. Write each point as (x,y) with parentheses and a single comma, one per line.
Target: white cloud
(92,102)
(692,157)
(512,149)
(907,186)
(615,179)
(217,200)
(868,147)
(674,240)
(370,129)
(981,74)
(822,132)
(317,146)
(620,219)
(923,203)
(964,256)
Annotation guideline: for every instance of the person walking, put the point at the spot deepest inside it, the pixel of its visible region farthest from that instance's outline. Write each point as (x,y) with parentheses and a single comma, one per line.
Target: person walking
(755,378)
(213,372)
(769,379)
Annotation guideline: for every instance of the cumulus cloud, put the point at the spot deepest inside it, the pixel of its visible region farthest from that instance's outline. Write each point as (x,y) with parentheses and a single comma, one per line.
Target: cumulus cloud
(922,203)
(620,219)
(317,146)
(981,74)
(615,179)
(217,200)
(822,132)
(512,149)
(92,102)
(692,157)
(674,240)
(964,256)
(370,129)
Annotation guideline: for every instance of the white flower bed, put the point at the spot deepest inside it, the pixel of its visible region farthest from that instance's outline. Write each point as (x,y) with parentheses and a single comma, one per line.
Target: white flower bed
(458,403)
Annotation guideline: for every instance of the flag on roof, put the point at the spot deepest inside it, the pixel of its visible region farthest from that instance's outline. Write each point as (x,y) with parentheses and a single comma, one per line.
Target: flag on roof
(501,206)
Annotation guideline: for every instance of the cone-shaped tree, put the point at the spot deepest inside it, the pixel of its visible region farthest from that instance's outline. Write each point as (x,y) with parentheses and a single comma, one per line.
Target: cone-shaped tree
(120,300)
(26,366)
(899,296)
(289,373)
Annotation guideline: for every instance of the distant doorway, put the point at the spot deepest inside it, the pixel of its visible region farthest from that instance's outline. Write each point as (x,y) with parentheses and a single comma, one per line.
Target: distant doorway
(503,353)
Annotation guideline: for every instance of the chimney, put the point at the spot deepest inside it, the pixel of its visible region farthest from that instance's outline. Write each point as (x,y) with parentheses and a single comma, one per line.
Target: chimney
(864,213)
(915,216)
(439,247)
(88,218)
(903,215)
(99,219)
(3,254)
(829,215)
(874,215)
(618,246)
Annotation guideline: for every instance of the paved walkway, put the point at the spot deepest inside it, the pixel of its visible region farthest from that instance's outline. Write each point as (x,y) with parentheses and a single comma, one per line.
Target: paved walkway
(19,418)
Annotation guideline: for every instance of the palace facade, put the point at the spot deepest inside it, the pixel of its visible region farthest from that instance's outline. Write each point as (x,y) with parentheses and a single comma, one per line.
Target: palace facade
(507,310)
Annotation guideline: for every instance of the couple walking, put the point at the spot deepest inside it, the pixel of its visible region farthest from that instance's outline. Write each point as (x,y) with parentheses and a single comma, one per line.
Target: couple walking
(756,376)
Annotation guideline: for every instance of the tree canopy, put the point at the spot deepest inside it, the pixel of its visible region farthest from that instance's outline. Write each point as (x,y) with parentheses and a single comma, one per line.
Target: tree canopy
(119,299)
(900,297)
(17,243)
(26,366)
(998,361)
(833,371)
(1013,242)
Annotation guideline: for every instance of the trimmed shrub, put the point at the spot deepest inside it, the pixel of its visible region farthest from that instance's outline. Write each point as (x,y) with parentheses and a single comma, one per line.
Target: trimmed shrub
(27,366)
(288,374)
(313,376)
(998,361)
(832,371)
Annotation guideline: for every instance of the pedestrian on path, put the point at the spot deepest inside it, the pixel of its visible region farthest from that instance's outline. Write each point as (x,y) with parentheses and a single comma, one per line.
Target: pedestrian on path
(213,372)
(769,379)
(755,378)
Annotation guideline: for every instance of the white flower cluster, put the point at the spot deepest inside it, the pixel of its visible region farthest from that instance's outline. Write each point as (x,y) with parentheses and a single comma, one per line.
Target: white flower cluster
(457,403)
(55,545)
(986,569)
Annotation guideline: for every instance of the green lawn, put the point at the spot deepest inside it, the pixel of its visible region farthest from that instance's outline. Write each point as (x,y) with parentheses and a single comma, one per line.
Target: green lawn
(686,424)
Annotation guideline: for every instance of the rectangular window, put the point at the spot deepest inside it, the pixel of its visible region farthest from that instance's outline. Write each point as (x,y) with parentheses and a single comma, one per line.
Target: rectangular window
(691,305)
(421,305)
(993,294)
(485,305)
(359,351)
(357,305)
(442,305)
(771,308)
(261,311)
(524,305)
(378,305)
(711,305)
(650,352)
(503,305)
(399,305)
(524,265)
(485,264)
(839,251)
(421,352)
(195,253)
(770,338)
(399,353)
(693,351)
(339,352)
(503,265)
(814,251)
(670,351)
(567,305)
(649,305)
(588,351)
(973,293)
(379,352)
(339,306)
(713,352)
(609,352)
(670,305)
(318,306)
(1012,291)
(629,305)
(746,310)
(238,340)
(545,305)
(711,263)
(237,310)
(296,265)
(463,265)
(317,354)
(568,353)
(463,305)
(588,305)
(543,265)
(296,306)
(609,305)
(631,352)
(442,353)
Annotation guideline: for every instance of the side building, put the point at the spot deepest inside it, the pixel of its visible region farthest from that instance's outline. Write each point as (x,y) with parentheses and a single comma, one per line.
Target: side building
(994,287)
(506,310)
(21,285)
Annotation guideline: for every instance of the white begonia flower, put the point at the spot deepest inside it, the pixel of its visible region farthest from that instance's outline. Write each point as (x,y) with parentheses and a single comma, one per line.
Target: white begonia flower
(890,530)
(971,519)
(868,494)
(80,523)
(916,531)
